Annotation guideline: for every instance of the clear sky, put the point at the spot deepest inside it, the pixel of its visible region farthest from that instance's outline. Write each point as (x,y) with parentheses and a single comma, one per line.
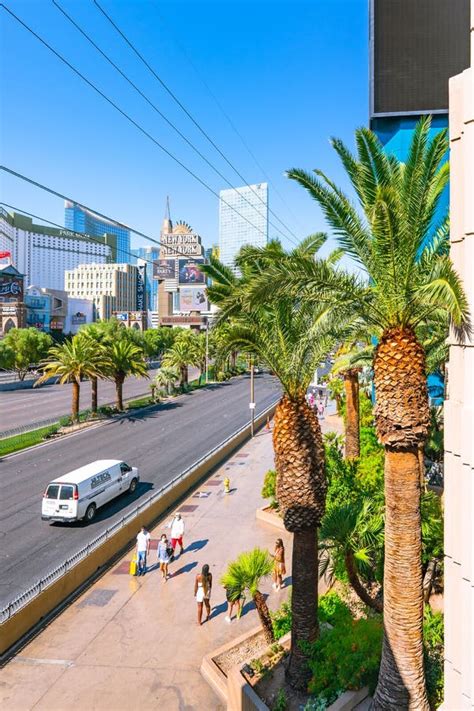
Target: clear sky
(289,74)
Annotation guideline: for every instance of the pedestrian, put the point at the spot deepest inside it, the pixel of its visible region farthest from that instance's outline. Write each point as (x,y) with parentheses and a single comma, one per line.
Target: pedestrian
(177,532)
(311,400)
(143,548)
(233,598)
(279,569)
(164,555)
(320,408)
(202,592)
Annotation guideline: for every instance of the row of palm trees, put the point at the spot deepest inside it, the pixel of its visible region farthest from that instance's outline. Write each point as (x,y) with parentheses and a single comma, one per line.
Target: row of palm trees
(292,309)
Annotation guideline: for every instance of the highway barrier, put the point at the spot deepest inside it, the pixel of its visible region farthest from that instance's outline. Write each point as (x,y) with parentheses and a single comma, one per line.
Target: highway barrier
(32,608)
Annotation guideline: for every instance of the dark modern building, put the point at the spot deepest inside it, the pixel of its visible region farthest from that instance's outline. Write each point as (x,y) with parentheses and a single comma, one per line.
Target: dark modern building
(79,219)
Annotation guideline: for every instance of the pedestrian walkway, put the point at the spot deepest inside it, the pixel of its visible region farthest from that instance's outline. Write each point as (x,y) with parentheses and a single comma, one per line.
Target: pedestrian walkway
(134,643)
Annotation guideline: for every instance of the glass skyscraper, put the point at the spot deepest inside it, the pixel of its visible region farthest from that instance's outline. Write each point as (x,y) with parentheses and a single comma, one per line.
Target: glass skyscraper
(81,220)
(243,219)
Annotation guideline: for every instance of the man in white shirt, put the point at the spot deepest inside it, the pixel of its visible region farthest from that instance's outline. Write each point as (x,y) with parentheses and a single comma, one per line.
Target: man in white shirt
(177,532)
(143,547)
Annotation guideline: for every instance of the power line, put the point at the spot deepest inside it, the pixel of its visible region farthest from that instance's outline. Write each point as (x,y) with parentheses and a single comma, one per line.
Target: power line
(130,119)
(183,108)
(227,117)
(90,209)
(81,235)
(158,111)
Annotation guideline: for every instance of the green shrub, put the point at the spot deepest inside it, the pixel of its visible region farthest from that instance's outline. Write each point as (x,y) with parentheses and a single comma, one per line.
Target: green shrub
(366,411)
(333,610)
(282,620)
(433,637)
(345,657)
(281,703)
(269,488)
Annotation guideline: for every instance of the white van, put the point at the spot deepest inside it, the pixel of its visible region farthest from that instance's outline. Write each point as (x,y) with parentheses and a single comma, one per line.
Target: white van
(80,493)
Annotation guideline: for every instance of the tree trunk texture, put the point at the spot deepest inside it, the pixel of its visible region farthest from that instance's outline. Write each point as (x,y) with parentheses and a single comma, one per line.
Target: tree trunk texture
(119,392)
(304,605)
(264,615)
(76,389)
(357,585)
(351,388)
(401,683)
(299,461)
(94,392)
(421,462)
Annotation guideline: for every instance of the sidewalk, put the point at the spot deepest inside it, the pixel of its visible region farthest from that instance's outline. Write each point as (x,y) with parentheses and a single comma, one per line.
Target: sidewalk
(134,643)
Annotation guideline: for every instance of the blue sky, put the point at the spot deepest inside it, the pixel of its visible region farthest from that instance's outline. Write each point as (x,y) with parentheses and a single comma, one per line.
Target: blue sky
(288,73)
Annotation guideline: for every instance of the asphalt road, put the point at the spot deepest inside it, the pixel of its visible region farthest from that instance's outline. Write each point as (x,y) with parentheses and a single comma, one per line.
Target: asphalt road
(161,442)
(24,407)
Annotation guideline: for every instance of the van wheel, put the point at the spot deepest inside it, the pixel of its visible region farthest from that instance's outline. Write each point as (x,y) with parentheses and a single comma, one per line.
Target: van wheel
(133,486)
(90,513)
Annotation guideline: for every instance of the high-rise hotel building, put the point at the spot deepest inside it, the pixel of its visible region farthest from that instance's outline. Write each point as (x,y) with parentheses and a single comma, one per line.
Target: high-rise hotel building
(79,219)
(243,219)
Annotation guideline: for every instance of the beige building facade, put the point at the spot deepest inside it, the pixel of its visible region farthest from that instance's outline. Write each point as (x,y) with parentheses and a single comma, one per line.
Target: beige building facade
(111,287)
(459,411)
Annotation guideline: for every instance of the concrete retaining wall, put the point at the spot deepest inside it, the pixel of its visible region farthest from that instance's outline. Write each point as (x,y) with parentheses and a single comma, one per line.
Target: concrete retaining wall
(47,601)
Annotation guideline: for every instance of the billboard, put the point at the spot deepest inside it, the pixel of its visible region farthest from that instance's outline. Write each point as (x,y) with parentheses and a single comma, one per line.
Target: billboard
(141,294)
(11,287)
(189,272)
(171,244)
(164,269)
(192,299)
(416,46)
(78,319)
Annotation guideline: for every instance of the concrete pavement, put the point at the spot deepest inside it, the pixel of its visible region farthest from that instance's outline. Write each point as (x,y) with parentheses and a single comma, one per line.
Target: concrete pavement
(161,441)
(133,643)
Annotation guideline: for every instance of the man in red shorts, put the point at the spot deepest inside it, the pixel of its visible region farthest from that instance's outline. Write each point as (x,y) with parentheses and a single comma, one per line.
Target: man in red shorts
(177,532)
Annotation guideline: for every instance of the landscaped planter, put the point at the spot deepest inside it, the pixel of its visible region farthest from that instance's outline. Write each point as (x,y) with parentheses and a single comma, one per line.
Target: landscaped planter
(270,516)
(239,693)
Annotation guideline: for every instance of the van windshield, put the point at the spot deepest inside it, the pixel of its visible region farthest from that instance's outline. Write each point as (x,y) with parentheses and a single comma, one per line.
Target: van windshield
(52,491)
(66,492)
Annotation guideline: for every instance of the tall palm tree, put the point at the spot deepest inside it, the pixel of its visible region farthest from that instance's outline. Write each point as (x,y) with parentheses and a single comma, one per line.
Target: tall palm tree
(409,276)
(166,378)
(71,362)
(125,358)
(181,355)
(246,573)
(291,339)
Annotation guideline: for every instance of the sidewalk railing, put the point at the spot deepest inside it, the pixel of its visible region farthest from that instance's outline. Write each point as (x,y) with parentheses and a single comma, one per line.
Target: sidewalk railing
(21,600)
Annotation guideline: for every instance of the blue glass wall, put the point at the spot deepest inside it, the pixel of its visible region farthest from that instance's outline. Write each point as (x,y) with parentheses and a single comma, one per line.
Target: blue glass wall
(86,222)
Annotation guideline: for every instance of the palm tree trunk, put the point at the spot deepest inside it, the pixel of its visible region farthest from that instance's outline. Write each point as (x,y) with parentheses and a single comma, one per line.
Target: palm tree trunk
(186,375)
(94,390)
(76,389)
(119,392)
(351,387)
(304,604)
(264,615)
(356,584)
(401,683)
(421,462)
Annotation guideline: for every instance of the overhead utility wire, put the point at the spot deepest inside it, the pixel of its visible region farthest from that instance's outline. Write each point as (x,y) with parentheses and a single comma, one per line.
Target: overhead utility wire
(129,118)
(226,116)
(188,114)
(82,235)
(90,209)
(160,113)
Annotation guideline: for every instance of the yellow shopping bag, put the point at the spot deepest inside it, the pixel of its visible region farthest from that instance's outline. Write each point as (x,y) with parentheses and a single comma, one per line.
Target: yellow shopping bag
(133,567)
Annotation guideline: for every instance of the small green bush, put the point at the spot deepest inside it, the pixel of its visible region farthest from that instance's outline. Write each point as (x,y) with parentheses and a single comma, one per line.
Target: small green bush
(433,637)
(269,488)
(333,610)
(281,703)
(282,620)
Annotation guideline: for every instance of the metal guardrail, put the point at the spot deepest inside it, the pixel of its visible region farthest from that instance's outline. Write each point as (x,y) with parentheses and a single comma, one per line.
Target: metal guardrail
(21,600)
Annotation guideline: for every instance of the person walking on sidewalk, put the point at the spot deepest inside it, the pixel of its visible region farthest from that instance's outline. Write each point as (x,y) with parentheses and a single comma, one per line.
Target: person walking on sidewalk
(164,556)
(202,592)
(143,548)
(233,598)
(279,569)
(177,533)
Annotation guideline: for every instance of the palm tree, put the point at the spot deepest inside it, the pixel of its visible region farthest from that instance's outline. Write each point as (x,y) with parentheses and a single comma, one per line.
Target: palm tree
(409,277)
(246,573)
(71,362)
(290,338)
(166,378)
(352,535)
(125,358)
(181,355)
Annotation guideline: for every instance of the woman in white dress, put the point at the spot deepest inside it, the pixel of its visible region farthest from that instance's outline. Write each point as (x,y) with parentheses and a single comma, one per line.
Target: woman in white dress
(202,592)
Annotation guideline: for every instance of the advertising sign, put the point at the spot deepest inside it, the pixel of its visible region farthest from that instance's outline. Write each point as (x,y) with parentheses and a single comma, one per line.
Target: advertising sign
(121,316)
(11,287)
(78,319)
(141,294)
(183,244)
(189,272)
(192,300)
(164,269)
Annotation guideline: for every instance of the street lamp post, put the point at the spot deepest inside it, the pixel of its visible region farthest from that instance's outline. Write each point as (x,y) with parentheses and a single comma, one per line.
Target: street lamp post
(252,397)
(207,351)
